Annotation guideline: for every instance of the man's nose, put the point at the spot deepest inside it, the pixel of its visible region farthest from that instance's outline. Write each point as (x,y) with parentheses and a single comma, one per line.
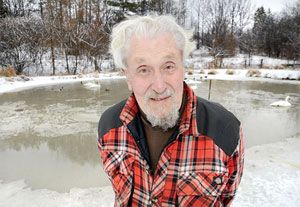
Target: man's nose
(159,84)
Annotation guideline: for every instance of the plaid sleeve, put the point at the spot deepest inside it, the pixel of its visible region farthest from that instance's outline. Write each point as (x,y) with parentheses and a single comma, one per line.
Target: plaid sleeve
(118,165)
(235,166)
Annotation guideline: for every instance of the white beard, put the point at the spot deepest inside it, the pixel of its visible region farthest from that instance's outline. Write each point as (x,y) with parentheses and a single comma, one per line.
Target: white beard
(168,120)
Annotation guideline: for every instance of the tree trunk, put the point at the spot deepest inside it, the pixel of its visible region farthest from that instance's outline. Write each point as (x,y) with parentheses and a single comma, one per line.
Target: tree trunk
(67,62)
(90,11)
(76,63)
(41,63)
(41,9)
(249,56)
(96,64)
(52,58)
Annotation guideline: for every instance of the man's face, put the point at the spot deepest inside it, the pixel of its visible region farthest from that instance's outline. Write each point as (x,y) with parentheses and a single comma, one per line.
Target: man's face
(155,74)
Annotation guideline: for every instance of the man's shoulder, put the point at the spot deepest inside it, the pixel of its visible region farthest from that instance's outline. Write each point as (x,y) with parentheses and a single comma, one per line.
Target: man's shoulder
(110,118)
(214,121)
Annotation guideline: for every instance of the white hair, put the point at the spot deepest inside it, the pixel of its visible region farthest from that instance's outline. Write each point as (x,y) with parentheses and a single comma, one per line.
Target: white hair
(147,26)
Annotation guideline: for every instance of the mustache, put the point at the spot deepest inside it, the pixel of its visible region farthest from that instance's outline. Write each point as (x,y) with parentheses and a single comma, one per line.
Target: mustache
(154,95)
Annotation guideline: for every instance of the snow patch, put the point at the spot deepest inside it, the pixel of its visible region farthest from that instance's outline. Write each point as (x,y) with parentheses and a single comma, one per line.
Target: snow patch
(13,84)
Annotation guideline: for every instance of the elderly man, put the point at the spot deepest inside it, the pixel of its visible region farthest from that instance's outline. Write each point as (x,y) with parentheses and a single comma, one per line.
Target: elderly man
(164,146)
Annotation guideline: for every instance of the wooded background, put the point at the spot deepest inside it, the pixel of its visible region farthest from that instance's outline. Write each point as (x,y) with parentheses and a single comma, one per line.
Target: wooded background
(79,30)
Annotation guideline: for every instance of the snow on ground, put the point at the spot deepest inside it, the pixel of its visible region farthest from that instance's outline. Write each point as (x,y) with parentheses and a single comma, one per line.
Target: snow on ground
(271,178)
(244,74)
(18,83)
(202,59)
(255,60)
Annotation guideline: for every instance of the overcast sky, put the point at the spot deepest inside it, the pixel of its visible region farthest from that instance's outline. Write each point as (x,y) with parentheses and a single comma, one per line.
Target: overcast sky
(274,5)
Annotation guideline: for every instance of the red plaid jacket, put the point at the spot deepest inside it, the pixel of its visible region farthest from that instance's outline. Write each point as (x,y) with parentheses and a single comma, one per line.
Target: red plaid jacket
(202,166)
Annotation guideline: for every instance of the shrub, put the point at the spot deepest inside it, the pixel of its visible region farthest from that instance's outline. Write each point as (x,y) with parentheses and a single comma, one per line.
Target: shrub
(212,72)
(287,65)
(280,67)
(8,71)
(230,72)
(267,66)
(253,73)
(190,72)
(212,64)
(121,73)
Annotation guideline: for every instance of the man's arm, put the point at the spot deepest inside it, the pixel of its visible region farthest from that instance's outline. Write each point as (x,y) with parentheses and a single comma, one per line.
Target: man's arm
(235,167)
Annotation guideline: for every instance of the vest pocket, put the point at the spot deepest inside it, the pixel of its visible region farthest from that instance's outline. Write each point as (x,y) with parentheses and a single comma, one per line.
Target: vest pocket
(118,166)
(194,188)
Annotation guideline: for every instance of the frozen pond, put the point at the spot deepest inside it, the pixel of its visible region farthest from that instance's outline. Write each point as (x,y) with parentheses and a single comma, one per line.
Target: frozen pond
(48,135)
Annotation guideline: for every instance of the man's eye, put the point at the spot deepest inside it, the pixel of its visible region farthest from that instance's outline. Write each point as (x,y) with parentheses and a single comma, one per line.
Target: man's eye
(143,70)
(170,67)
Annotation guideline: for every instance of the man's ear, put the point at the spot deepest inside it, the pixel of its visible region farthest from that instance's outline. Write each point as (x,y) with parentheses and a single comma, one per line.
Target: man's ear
(125,71)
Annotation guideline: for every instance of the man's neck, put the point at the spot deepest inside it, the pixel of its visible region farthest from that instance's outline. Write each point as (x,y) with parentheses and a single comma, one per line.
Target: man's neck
(157,138)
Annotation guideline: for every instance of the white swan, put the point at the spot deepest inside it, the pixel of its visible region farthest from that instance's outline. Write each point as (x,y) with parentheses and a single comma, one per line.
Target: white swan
(282,103)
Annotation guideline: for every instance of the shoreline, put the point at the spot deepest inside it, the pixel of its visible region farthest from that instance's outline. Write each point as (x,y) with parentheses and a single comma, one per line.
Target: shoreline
(20,83)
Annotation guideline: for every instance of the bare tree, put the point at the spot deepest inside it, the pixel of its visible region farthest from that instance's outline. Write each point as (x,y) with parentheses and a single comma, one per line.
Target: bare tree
(198,19)
(20,41)
(219,23)
(247,44)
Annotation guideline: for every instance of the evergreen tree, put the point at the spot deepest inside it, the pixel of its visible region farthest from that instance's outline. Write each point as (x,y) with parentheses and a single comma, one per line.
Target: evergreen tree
(119,9)
(259,28)
(270,35)
(3,9)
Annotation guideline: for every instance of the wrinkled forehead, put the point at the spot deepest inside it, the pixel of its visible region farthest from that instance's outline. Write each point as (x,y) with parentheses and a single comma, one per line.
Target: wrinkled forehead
(169,56)
(168,52)
(140,35)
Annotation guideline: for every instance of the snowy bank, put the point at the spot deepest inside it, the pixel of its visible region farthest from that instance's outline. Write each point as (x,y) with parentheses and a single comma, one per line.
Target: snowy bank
(14,84)
(271,178)
(245,74)
(20,83)
(202,59)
